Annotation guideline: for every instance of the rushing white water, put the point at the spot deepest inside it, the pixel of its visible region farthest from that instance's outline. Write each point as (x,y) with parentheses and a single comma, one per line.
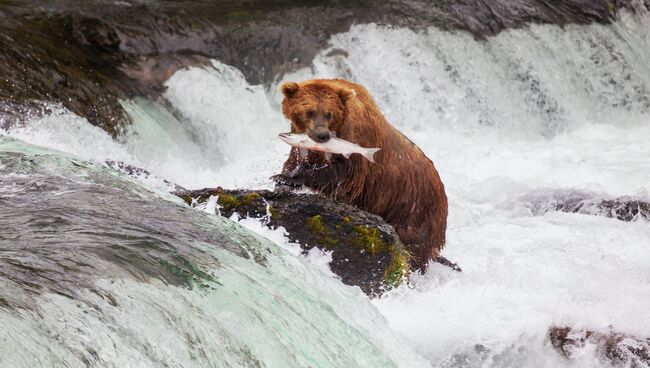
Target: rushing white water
(96,270)
(529,111)
(229,141)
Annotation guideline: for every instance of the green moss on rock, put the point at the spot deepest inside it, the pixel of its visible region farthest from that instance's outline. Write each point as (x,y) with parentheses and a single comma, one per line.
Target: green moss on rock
(232,201)
(273,213)
(369,238)
(228,201)
(329,242)
(251,197)
(316,225)
(398,269)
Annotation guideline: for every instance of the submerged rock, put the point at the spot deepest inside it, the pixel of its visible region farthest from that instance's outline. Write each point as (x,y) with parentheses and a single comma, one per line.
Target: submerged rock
(620,208)
(613,347)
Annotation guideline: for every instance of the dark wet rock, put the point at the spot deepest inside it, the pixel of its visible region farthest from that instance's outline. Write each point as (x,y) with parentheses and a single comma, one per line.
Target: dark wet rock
(13,114)
(150,73)
(613,347)
(87,62)
(588,203)
(88,55)
(366,251)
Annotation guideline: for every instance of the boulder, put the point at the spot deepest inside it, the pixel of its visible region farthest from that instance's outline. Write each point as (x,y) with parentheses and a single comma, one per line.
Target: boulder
(365,250)
(623,208)
(614,347)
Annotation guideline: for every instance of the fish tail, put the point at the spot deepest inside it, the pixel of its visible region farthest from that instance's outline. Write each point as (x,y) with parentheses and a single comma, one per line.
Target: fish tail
(370,154)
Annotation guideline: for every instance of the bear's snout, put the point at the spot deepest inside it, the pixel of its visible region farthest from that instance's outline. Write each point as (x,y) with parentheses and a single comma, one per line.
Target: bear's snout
(320,134)
(323,137)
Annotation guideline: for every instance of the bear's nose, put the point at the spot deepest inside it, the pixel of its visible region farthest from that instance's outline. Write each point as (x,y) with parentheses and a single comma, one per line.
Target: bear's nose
(323,137)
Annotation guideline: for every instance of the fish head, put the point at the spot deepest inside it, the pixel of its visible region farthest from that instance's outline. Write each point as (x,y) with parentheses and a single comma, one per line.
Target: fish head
(316,107)
(292,138)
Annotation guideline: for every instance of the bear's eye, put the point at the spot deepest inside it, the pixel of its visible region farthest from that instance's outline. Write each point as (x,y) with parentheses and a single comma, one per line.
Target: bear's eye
(328,115)
(310,114)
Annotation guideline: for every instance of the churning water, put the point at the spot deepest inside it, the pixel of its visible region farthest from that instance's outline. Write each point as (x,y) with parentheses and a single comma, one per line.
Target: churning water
(98,270)
(509,122)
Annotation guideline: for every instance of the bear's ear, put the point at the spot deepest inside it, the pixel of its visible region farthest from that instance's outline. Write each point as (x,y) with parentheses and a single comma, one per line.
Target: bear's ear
(289,89)
(347,93)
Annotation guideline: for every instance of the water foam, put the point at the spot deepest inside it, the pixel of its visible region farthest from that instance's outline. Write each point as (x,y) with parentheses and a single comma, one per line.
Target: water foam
(129,279)
(542,108)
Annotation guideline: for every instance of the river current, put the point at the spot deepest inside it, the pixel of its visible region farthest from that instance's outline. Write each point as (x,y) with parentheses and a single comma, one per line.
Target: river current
(513,124)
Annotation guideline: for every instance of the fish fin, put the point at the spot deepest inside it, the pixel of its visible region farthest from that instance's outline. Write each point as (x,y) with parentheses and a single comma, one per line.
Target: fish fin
(328,156)
(370,154)
(303,152)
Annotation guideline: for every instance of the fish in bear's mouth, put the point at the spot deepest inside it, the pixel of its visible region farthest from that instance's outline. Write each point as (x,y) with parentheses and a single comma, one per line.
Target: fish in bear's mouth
(332,146)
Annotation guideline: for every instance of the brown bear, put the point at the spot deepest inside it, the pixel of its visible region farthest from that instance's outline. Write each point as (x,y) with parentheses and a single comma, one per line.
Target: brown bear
(402,186)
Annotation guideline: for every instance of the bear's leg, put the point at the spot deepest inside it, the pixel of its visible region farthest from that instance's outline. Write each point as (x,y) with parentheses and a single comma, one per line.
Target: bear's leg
(316,176)
(445,262)
(282,181)
(315,172)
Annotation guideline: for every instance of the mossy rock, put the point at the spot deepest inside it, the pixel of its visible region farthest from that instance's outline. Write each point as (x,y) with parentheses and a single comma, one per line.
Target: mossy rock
(365,250)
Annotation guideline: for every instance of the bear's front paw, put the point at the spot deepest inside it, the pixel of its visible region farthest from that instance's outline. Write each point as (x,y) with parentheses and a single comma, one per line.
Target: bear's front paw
(287,180)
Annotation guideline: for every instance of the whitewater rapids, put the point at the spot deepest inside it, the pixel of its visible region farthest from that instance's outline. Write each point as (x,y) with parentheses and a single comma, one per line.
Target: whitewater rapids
(533,111)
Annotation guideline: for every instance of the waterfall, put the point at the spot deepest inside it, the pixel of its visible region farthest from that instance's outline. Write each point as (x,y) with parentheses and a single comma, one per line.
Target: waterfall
(534,110)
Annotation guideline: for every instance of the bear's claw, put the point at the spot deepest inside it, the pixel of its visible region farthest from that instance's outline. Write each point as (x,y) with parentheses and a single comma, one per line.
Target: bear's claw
(287,180)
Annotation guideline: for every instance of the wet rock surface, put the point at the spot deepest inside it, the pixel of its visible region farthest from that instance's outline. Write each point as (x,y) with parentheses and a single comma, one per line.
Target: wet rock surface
(588,203)
(87,55)
(614,347)
(365,251)
(12,113)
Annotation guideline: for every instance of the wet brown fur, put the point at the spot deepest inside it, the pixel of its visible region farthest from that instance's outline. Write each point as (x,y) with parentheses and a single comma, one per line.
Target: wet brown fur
(403,186)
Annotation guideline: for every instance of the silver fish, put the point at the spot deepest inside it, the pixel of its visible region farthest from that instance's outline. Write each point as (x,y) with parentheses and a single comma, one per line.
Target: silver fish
(333,145)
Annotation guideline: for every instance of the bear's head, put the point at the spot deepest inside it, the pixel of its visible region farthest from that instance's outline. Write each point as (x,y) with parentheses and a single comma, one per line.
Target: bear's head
(316,108)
